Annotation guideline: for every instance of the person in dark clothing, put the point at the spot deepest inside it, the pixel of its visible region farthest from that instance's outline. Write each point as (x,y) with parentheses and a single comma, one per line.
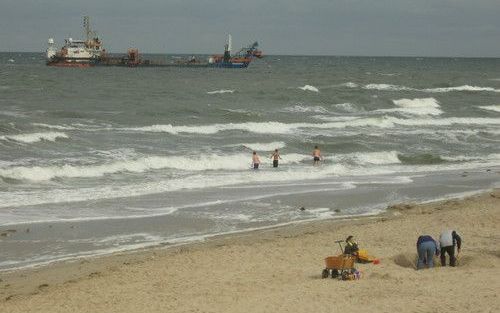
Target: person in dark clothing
(427,248)
(448,240)
(351,247)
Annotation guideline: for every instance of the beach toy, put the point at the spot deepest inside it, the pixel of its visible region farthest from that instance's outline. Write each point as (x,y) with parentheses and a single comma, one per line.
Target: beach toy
(376,261)
(364,257)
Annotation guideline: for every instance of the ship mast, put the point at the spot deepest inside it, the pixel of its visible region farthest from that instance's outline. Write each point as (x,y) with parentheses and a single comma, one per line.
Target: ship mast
(86,25)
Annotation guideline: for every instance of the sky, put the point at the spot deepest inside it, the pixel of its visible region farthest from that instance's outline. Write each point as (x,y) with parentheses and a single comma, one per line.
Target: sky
(458,28)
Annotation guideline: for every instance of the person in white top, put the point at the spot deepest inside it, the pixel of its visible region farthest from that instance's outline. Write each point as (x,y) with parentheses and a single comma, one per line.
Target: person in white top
(448,240)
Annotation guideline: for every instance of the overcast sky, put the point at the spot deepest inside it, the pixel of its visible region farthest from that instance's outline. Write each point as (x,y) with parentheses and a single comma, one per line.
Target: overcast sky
(303,27)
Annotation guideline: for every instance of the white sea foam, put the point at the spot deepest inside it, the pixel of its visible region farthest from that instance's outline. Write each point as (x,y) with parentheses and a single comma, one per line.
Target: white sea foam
(309,88)
(417,106)
(204,163)
(391,122)
(368,158)
(264,146)
(221,91)
(348,107)
(350,85)
(58,127)
(305,109)
(386,87)
(255,127)
(390,87)
(12,113)
(495,108)
(201,181)
(35,137)
(196,181)
(461,88)
(287,128)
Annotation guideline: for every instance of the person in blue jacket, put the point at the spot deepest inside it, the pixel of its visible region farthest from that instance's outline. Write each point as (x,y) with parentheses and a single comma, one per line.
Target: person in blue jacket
(427,248)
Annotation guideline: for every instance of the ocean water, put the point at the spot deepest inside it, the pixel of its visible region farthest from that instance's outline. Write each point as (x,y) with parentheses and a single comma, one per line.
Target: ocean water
(109,159)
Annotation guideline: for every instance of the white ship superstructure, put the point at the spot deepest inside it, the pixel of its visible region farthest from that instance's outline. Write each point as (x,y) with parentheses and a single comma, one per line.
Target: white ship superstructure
(76,52)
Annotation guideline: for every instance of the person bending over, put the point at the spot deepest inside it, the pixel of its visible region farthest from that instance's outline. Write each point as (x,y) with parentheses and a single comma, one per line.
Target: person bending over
(448,240)
(427,248)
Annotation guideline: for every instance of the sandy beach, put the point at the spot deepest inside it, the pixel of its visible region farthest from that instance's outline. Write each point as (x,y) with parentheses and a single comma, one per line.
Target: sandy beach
(279,270)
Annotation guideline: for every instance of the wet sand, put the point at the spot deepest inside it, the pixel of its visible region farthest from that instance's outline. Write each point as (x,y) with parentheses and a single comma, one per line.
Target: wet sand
(279,270)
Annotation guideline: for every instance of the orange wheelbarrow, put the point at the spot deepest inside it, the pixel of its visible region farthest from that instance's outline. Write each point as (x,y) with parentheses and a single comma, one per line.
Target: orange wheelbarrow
(336,266)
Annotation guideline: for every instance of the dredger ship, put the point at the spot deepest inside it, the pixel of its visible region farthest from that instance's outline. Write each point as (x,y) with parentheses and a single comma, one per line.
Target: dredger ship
(90,52)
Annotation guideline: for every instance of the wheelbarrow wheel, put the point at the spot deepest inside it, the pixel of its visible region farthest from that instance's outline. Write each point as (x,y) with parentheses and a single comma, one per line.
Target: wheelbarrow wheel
(335,273)
(325,273)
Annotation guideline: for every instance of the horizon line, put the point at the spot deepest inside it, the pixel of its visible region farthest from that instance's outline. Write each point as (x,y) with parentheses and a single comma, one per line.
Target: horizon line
(304,55)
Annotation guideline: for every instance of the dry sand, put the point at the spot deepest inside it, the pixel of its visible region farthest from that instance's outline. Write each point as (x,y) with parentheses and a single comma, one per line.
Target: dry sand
(279,270)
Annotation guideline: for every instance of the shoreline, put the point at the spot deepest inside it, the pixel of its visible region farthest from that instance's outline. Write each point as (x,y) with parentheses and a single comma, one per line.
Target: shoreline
(373,213)
(17,286)
(40,244)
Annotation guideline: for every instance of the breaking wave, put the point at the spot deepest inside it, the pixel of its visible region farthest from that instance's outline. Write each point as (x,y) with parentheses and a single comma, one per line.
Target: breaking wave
(305,109)
(221,91)
(287,128)
(35,137)
(350,85)
(390,87)
(425,158)
(495,108)
(461,88)
(368,158)
(58,127)
(264,146)
(422,106)
(204,163)
(309,88)
(386,87)
(347,107)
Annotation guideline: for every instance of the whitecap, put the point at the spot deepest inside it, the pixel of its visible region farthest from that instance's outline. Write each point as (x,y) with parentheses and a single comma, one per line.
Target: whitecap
(191,164)
(273,127)
(495,108)
(386,87)
(305,109)
(35,137)
(417,106)
(461,88)
(350,85)
(264,146)
(369,158)
(221,91)
(309,88)
(348,107)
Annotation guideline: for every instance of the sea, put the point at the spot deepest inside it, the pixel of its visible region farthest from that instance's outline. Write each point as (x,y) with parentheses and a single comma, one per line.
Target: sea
(108,159)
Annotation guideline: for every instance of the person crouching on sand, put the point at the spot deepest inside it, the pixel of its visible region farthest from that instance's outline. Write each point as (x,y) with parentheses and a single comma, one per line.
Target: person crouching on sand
(316,156)
(255,160)
(275,157)
(427,248)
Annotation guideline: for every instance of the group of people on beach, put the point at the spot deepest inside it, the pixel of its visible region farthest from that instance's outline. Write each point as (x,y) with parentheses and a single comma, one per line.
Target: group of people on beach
(275,156)
(427,248)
